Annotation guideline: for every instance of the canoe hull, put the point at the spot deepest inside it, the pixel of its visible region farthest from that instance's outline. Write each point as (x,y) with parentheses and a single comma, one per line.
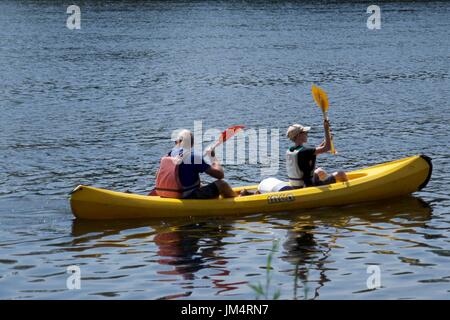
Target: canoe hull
(388,180)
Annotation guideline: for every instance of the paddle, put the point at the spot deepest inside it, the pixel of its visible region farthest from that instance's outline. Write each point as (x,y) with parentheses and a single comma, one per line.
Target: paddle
(321,99)
(225,135)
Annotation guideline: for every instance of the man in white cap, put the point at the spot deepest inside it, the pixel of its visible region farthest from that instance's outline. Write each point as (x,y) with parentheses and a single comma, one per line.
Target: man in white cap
(301,159)
(301,163)
(178,174)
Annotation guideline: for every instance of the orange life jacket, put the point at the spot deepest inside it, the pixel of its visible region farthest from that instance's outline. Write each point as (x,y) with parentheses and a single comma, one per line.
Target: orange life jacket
(168,184)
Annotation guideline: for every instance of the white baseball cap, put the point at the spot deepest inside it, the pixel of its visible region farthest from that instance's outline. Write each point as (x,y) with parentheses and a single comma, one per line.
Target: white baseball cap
(294,130)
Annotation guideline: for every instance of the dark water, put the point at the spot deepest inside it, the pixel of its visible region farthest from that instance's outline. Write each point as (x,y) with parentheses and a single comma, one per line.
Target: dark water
(97,106)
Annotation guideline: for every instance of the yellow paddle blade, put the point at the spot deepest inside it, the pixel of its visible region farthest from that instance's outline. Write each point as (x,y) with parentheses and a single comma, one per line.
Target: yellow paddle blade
(320,97)
(315,94)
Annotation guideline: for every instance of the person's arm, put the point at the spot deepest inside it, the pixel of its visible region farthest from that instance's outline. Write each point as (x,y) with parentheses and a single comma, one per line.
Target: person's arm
(215,170)
(325,147)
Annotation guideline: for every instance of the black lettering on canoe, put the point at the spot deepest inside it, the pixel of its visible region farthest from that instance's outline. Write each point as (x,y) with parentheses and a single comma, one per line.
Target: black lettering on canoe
(280,198)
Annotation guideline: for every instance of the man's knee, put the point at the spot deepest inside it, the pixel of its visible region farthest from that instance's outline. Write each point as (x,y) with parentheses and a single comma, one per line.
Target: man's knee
(322,174)
(340,176)
(225,189)
(319,171)
(221,184)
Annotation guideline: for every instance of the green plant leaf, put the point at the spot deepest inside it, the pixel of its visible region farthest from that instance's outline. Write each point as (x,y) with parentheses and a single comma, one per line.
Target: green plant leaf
(277,295)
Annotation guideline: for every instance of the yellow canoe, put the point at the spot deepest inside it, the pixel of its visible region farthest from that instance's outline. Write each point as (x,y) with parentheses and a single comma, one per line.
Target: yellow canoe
(387,180)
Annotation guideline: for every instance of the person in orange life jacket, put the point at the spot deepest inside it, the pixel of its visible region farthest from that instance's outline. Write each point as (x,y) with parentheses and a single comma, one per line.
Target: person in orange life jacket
(178,176)
(301,159)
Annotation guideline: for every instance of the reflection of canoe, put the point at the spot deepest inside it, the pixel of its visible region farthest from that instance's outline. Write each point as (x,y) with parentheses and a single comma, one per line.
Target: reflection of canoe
(413,210)
(391,179)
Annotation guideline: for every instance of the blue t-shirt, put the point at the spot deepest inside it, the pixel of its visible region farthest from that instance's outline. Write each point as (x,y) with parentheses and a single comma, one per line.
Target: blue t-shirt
(191,167)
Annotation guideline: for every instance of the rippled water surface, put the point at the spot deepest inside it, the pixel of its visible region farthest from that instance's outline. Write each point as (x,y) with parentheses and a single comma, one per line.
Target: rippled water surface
(97,106)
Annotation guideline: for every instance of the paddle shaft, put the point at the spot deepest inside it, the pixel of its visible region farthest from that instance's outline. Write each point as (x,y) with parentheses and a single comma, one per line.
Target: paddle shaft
(227,134)
(218,143)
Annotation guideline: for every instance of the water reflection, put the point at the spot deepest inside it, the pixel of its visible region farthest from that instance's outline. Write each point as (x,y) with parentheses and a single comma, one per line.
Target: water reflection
(304,252)
(184,247)
(307,251)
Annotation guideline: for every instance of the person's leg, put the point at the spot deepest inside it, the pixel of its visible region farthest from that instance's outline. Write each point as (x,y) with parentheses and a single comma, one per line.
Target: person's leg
(209,191)
(224,189)
(320,173)
(245,192)
(321,177)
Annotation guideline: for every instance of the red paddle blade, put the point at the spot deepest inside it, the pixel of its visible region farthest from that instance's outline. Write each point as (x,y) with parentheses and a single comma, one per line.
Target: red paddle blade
(231,131)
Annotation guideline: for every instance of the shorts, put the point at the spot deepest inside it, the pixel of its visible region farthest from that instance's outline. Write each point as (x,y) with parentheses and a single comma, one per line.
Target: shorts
(328,180)
(210,191)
